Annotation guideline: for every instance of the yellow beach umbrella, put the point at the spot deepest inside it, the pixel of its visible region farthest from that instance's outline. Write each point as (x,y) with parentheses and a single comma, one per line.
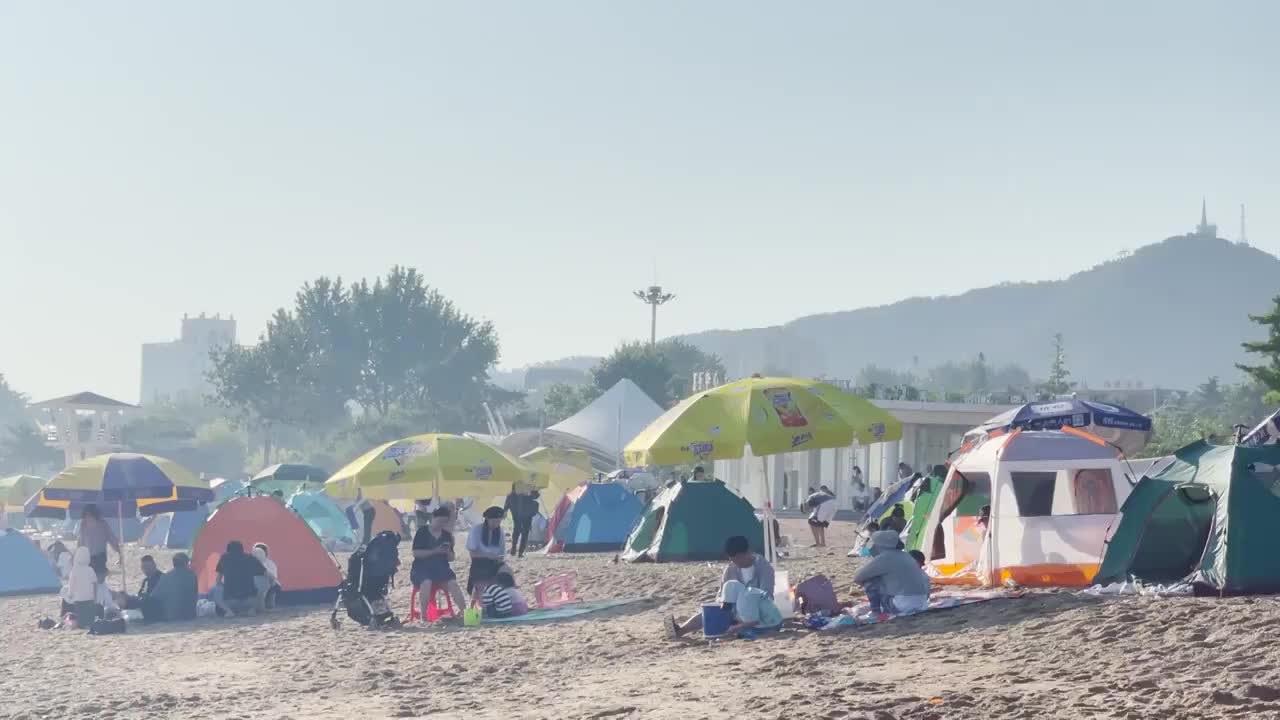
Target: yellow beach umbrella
(435,465)
(16,490)
(772,415)
(565,470)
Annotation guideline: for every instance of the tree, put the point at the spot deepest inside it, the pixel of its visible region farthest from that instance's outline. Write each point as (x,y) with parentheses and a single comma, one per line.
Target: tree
(686,361)
(561,401)
(1267,373)
(1058,383)
(13,404)
(643,364)
(23,449)
(980,378)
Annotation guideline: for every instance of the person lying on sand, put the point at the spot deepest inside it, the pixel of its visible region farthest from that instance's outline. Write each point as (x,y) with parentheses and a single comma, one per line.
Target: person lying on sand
(745,567)
(892,579)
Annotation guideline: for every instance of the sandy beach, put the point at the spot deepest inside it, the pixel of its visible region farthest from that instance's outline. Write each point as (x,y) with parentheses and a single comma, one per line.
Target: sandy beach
(1056,655)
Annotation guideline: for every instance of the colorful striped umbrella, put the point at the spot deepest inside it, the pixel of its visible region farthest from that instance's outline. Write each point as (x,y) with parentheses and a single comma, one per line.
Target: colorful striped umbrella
(122,484)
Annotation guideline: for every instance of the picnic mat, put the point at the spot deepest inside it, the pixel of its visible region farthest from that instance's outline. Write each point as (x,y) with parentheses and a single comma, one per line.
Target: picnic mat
(940,601)
(562,612)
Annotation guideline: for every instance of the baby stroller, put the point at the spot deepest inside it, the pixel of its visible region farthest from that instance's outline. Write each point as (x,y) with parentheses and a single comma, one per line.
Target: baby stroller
(365,589)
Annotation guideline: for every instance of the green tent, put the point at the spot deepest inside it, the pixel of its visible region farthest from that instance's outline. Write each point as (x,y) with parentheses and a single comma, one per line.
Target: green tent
(924,496)
(1210,518)
(690,521)
(289,478)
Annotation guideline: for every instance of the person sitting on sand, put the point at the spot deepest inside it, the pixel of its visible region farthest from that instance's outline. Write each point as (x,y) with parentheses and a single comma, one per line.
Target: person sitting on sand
(263,555)
(745,567)
(239,589)
(753,610)
(175,595)
(897,520)
(432,553)
(918,557)
(488,549)
(501,599)
(894,583)
(150,576)
(60,556)
(822,506)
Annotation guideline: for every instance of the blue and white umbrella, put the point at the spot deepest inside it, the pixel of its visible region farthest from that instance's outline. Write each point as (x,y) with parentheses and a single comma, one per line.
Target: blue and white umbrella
(1119,426)
(1267,432)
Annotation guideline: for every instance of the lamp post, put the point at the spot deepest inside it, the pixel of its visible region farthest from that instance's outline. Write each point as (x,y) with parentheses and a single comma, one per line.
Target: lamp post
(653,297)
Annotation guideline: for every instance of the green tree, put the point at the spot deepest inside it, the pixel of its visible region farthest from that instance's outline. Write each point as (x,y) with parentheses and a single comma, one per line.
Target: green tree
(13,404)
(1267,372)
(23,450)
(1058,382)
(644,364)
(980,376)
(561,401)
(686,361)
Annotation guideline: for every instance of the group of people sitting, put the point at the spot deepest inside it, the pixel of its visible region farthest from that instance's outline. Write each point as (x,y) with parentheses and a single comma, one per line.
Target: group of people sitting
(491,581)
(85,597)
(247,583)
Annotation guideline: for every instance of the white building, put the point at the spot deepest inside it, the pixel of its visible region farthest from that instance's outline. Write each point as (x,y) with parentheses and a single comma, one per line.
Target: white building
(82,425)
(930,431)
(176,369)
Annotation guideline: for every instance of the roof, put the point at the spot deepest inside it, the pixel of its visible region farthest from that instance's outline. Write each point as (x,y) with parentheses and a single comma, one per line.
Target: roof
(86,398)
(614,418)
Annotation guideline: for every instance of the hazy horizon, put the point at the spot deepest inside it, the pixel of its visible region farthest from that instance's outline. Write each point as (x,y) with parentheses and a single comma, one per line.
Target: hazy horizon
(540,160)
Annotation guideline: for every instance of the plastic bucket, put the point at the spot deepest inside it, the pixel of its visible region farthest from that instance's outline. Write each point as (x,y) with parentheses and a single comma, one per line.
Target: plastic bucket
(715,620)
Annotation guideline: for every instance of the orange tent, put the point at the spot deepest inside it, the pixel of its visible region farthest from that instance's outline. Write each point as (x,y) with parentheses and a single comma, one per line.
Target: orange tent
(308,573)
(385,518)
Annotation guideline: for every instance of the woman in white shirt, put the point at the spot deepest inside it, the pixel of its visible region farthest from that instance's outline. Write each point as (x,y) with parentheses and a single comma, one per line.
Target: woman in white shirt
(486,543)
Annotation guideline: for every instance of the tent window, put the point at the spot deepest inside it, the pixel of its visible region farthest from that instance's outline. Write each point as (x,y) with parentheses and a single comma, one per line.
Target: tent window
(1034,492)
(1094,491)
(1268,475)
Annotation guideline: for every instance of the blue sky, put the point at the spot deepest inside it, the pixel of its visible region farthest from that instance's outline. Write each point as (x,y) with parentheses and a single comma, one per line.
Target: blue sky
(537,160)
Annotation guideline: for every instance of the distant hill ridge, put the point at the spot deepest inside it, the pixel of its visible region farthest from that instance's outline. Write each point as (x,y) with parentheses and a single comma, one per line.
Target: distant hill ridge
(1171,314)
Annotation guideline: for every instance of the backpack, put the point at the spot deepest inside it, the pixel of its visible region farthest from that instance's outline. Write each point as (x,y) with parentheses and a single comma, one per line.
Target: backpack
(816,594)
(107,627)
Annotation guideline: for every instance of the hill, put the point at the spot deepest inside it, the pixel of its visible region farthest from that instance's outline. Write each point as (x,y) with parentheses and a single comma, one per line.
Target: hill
(1170,314)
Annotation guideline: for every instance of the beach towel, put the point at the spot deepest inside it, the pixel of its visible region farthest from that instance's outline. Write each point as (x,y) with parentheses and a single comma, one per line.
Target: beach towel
(562,612)
(942,601)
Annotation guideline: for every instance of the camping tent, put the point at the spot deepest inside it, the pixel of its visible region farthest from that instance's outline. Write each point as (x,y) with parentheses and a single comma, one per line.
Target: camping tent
(923,496)
(326,519)
(308,573)
(373,517)
(1052,495)
(613,419)
(594,517)
(690,521)
(174,530)
(15,490)
(1209,517)
(24,569)
(224,489)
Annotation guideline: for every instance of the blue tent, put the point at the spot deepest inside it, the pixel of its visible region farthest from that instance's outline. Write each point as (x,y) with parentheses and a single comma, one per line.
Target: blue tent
(175,530)
(156,530)
(1119,426)
(594,517)
(24,569)
(326,519)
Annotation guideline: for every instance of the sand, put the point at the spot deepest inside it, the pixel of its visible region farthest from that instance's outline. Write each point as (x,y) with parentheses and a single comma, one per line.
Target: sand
(1051,655)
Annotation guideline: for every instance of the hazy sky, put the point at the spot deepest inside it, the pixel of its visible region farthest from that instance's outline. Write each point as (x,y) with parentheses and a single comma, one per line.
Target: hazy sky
(537,159)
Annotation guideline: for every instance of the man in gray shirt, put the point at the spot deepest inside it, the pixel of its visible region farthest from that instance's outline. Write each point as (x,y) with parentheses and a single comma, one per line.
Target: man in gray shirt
(893,580)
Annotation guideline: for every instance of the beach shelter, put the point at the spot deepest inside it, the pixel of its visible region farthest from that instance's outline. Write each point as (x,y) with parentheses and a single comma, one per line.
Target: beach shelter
(174,530)
(308,573)
(593,517)
(690,520)
(24,569)
(289,478)
(610,421)
(326,519)
(15,490)
(1209,517)
(1116,425)
(1051,496)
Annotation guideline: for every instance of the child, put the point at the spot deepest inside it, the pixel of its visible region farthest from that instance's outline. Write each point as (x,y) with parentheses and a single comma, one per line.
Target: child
(745,568)
(82,589)
(261,552)
(497,599)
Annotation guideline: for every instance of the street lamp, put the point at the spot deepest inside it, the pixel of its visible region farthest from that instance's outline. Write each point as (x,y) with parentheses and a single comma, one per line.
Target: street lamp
(653,297)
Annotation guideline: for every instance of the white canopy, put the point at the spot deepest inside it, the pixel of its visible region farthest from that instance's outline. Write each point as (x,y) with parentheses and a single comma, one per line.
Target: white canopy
(613,419)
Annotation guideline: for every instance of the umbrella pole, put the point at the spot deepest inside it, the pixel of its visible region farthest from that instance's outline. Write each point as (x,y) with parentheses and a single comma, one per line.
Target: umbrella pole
(770,551)
(124,569)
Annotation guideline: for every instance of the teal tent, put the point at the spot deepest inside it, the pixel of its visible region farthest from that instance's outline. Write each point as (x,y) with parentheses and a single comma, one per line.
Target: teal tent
(24,569)
(326,519)
(690,521)
(1209,518)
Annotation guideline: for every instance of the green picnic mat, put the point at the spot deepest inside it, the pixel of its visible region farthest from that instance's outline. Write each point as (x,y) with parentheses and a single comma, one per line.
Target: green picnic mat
(562,612)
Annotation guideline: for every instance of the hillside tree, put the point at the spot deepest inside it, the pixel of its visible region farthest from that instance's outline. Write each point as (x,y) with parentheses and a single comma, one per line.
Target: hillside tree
(1267,372)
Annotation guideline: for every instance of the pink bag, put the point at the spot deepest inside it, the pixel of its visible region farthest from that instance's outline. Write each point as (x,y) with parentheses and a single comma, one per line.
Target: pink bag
(816,594)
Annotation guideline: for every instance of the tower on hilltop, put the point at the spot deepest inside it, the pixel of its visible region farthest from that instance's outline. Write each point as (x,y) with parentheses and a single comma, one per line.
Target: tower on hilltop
(1205,229)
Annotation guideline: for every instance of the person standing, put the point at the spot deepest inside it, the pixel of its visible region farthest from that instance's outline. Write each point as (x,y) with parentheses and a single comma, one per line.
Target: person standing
(96,535)
(822,506)
(522,507)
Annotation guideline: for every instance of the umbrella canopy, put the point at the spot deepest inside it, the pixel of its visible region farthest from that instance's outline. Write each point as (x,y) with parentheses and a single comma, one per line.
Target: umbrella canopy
(1119,426)
(15,490)
(124,484)
(289,478)
(1267,432)
(772,415)
(435,465)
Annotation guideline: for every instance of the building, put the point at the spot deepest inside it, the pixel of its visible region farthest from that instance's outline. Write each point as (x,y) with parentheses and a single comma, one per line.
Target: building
(930,432)
(1206,229)
(177,369)
(82,425)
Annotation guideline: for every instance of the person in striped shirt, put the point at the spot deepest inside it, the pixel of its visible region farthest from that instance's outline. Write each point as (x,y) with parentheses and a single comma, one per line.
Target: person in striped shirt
(499,597)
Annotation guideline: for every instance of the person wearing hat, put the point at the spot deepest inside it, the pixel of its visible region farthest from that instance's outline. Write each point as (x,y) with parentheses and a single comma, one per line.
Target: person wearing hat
(893,581)
(488,548)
